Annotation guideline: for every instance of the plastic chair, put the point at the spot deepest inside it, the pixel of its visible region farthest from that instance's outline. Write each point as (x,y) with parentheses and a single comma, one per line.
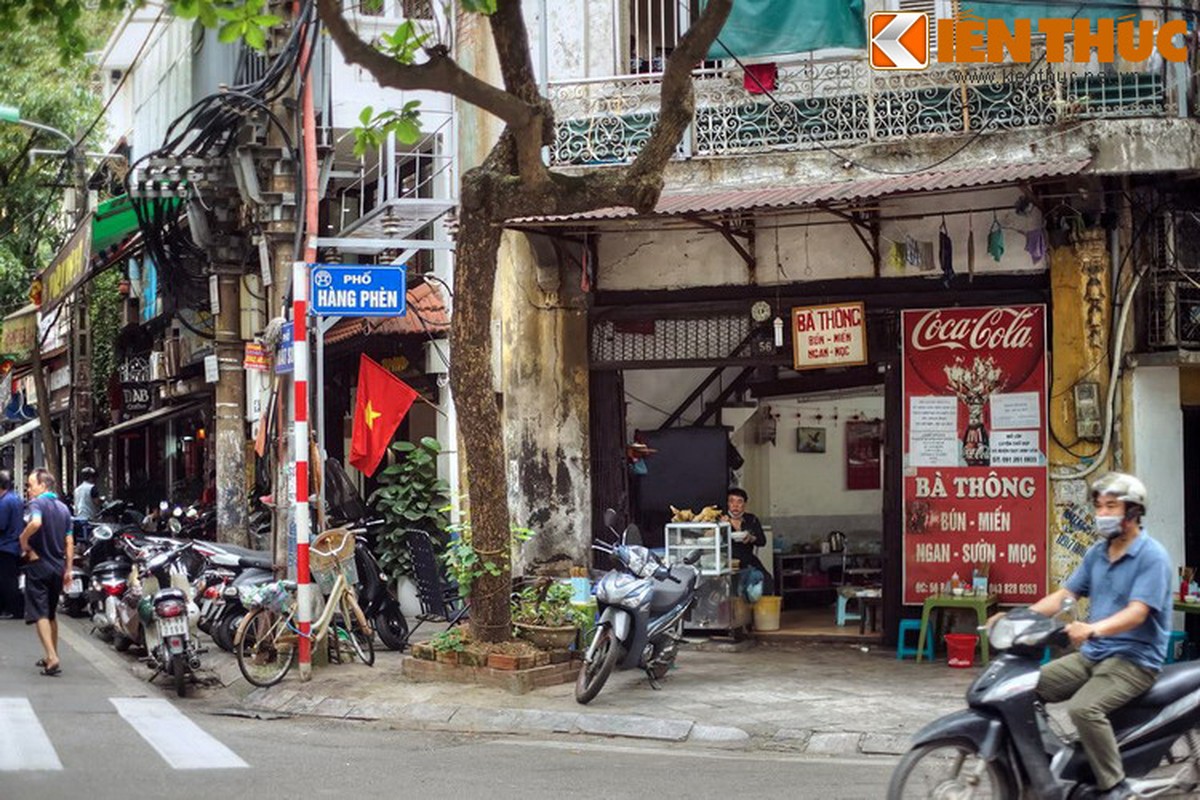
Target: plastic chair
(842,616)
(1177,639)
(912,626)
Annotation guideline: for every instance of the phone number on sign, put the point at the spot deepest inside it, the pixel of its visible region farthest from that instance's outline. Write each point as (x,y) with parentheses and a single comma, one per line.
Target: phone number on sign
(1015,588)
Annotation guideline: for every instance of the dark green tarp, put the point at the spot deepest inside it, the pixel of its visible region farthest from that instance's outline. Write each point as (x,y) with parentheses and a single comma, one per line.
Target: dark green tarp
(758,28)
(1008,11)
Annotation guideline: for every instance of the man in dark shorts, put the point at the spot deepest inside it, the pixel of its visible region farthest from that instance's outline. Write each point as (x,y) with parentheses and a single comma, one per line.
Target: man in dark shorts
(49,551)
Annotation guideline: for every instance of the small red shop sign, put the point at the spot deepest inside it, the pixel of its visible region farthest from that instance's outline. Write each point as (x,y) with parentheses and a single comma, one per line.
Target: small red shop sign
(256,358)
(975,473)
(829,336)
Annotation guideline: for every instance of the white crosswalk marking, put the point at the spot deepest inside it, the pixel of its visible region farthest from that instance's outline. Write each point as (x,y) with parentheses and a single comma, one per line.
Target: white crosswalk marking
(181,742)
(23,742)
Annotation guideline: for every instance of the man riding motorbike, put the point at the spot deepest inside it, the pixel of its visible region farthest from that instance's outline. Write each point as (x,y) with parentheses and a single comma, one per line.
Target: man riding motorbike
(1123,644)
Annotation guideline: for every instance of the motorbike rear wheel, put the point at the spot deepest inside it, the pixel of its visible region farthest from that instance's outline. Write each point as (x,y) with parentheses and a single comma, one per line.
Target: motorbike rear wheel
(179,673)
(392,627)
(225,627)
(949,768)
(121,642)
(592,675)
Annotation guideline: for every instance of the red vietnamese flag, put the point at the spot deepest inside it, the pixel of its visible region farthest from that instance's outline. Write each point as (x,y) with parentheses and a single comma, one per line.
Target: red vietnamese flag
(383,400)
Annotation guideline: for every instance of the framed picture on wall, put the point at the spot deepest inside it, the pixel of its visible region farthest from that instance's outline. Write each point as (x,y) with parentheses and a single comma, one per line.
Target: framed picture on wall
(810,440)
(863,448)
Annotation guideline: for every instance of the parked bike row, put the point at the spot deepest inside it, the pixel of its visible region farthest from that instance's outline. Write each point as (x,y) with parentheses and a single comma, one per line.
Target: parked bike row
(154,583)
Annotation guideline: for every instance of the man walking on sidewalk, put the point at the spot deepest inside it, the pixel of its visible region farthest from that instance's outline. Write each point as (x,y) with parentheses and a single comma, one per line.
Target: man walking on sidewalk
(11,512)
(49,551)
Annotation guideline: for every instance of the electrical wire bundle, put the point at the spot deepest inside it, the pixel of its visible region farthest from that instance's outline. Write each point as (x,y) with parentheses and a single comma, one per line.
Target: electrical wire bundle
(207,131)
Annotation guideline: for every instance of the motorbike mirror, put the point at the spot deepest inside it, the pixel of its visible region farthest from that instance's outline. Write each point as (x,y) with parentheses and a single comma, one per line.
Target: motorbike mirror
(1068,606)
(174,526)
(163,505)
(633,534)
(178,512)
(102,533)
(610,517)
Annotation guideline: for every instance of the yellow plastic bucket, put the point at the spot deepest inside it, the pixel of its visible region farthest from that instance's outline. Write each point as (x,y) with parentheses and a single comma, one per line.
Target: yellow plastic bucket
(766,613)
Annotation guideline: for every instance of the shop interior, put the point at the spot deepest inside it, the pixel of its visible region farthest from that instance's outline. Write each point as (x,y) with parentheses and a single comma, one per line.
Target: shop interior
(813,469)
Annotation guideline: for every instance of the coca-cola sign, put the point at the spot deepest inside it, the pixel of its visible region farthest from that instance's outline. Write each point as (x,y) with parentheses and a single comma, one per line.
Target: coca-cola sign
(997,328)
(975,444)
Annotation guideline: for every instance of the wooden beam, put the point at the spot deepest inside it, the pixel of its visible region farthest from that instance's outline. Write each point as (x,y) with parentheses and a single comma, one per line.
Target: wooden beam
(730,233)
(824,380)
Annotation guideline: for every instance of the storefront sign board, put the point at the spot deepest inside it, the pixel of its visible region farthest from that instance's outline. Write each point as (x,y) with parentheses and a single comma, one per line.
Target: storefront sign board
(976,486)
(68,270)
(19,334)
(256,359)
(829,336)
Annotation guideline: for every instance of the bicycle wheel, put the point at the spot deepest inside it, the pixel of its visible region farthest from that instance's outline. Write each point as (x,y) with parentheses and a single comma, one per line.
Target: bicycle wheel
(358,635)
(265,645)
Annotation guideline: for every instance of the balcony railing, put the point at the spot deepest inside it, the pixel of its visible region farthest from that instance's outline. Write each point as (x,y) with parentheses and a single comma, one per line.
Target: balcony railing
(844,102)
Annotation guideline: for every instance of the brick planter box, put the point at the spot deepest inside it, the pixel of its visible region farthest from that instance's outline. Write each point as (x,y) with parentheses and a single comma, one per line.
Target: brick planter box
(516,681)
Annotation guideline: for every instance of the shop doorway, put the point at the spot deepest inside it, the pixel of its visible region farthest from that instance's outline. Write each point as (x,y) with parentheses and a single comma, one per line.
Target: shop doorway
(819,487)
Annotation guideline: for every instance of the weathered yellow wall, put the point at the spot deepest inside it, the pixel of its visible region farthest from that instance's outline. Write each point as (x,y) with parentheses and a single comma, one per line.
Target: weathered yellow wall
(1189,386)
(1082,306)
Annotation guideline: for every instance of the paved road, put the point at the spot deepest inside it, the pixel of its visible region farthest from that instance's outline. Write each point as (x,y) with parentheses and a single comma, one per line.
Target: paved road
(97,732)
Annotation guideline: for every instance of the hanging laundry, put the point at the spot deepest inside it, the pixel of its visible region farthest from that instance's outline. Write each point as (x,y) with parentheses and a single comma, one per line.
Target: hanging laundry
(945,255)
(760,78)
(970,249)
(1035,244)
(927,262)
(995,244)
(895,256)
(912,253)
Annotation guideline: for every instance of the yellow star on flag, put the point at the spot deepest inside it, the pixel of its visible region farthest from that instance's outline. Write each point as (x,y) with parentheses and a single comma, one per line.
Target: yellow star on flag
(371,415)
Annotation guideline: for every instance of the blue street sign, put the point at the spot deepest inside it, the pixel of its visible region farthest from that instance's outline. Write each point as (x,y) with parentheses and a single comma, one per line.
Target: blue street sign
(357,291)
(285,356)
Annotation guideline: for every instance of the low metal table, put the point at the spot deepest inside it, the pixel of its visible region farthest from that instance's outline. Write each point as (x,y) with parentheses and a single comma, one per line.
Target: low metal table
(981,604)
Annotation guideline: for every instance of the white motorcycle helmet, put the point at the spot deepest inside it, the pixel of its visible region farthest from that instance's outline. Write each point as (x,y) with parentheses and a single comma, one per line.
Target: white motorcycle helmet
(1125,488)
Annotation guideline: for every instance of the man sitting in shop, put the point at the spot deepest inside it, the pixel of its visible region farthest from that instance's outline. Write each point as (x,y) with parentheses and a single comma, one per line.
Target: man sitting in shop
(747,535)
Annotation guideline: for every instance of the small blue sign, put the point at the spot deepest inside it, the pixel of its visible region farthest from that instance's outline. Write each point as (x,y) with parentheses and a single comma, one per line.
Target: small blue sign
(285,356)
(357,291)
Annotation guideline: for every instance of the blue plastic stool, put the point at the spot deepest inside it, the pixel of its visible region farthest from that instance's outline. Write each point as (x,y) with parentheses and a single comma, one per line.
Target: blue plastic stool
(842,616)
(913,626)
(1177,638)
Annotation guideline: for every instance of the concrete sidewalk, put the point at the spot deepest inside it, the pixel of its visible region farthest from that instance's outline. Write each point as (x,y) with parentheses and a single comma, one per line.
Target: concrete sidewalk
(831,699)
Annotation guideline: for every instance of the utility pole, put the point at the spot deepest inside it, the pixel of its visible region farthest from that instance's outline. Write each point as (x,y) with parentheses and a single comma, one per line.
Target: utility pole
(230,411)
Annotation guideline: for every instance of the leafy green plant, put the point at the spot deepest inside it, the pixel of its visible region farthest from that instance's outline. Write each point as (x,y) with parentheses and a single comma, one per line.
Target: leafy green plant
(548,604)
(465,563)
(411,496)
(451,640)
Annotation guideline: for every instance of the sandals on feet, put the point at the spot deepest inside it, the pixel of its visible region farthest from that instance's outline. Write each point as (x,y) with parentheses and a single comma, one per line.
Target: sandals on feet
(52,671)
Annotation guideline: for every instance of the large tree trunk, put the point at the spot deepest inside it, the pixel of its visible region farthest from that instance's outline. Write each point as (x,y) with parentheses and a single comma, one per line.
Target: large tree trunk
(478,244)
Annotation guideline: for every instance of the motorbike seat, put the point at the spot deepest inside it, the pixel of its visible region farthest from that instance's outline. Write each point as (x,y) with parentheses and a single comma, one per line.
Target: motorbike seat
(241,552)
(1175,681)
(668,594)
(170,594)
(115,565)
(255,563)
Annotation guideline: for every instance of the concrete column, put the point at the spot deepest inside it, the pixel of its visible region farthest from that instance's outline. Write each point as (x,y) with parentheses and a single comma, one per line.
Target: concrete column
(1157,430)
(544,375)
(230,415)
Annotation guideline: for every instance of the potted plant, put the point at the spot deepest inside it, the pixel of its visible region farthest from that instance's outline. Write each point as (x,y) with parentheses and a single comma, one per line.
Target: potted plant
(410,496)
(448,644)
(544,615)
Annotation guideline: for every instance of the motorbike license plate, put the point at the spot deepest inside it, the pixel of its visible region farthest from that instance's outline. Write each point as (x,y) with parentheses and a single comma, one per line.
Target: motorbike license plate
(172,626)
(76,587)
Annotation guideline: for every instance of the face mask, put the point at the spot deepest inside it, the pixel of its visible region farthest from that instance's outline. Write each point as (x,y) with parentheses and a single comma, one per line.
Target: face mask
(1109,527)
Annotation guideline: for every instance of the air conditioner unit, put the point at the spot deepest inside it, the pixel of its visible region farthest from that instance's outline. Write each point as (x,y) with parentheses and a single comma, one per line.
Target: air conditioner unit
(158,366)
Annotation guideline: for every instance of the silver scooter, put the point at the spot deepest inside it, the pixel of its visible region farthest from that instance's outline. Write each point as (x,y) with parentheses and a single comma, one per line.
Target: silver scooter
(642,603)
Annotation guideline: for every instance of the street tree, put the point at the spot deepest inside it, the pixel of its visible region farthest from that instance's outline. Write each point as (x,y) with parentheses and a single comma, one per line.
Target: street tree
(513,181)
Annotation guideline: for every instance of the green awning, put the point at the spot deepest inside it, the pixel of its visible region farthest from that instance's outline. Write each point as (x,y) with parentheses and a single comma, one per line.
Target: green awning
(115,219)
(1063,9)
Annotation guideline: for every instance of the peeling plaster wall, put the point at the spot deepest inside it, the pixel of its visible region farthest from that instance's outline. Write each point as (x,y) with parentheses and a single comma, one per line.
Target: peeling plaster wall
(544,371)
(576,50)
(809,246)
(1157,420)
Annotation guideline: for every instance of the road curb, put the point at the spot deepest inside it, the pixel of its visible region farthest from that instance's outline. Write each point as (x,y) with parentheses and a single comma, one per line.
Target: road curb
(524,722)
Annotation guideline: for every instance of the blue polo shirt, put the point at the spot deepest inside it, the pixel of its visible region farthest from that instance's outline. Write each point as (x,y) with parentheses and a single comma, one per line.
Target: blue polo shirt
(1142,573)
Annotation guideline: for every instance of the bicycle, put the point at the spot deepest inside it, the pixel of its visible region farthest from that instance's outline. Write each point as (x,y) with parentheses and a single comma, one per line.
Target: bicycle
(268,639)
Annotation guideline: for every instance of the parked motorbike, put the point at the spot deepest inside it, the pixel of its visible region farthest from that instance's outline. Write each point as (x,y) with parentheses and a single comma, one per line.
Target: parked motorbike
(1004,745)
(379,604)
(222,613)
(108,581)
(642,603)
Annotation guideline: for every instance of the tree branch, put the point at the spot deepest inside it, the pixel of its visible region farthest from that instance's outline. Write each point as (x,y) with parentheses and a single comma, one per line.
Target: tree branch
(516,66)
(439,74)
(676,106)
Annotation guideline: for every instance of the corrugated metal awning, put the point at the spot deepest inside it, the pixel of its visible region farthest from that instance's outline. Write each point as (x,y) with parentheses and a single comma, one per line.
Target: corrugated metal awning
(19,431)
(829,193)
(158,415)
